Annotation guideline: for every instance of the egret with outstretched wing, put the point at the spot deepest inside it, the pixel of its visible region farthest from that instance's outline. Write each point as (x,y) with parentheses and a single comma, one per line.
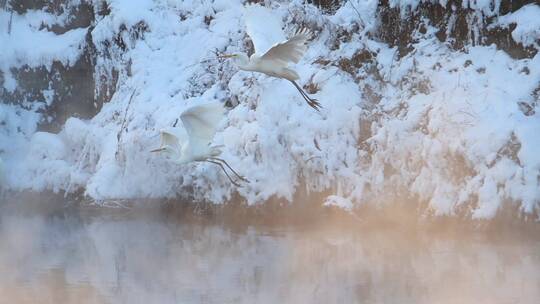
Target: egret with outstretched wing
(193,142)
(263,26)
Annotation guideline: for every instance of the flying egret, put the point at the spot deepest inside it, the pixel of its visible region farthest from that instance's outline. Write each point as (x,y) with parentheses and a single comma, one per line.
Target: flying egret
(273,60)
(192,143)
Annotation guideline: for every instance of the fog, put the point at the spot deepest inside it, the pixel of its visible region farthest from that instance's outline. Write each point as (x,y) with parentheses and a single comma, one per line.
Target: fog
(108,255)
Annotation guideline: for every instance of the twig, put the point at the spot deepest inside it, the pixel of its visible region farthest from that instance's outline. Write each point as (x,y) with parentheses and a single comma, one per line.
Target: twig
(197,63)
(107,203)
(312,158)
(115,204)
(357,12)
(391,64)
(123,125)
(10,22)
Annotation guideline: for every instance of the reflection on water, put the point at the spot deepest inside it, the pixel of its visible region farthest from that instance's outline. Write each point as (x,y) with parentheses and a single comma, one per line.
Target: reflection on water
(133,259)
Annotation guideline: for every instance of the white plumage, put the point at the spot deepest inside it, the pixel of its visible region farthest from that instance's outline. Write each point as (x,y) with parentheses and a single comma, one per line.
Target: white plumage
(262,26)
(290,50)
(201,122)
(173,140)
(193,142)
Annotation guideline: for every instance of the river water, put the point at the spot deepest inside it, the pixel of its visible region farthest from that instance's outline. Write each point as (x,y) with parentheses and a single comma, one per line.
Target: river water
(112,256)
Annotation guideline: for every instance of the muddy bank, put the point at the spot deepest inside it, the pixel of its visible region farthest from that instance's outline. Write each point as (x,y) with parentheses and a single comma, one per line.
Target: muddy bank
(304,213)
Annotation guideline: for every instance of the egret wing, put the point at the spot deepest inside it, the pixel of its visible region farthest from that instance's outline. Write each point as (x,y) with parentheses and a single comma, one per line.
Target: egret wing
(291,50)
(176,138)
(263,26)
(201,122)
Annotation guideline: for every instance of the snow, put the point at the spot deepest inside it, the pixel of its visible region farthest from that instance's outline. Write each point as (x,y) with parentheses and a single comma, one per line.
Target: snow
(486,7)
(527,29)
(263,34)
(340,202)
(440,132)
(10,84)
(24,43)
(348,14)
(17,127)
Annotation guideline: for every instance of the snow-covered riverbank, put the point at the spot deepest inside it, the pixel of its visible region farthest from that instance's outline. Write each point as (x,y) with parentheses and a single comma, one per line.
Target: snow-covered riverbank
(456,130)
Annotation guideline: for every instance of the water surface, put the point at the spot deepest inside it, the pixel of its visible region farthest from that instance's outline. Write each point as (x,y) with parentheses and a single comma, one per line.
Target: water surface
(119,257)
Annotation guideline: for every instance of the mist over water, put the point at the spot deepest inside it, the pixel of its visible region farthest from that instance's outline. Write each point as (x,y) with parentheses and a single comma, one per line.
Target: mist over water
(77,255)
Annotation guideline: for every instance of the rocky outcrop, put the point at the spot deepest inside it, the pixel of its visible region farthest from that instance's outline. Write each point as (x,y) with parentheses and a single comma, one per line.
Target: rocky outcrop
(61,90)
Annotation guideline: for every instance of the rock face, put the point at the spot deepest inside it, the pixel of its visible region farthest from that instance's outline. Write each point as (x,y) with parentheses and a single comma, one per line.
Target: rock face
(61,89)
(455,23)
(67,91)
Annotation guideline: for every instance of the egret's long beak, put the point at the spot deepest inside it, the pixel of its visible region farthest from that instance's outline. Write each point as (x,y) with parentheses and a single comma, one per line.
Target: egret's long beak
(226,56)
(158,150)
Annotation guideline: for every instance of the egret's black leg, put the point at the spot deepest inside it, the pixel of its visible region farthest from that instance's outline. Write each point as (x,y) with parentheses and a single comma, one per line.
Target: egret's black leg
(299,88)
(226,164)
(310,101)
(224,171)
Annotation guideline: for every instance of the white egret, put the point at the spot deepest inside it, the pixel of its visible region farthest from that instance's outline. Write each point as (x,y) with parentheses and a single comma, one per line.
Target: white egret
(193,142)
(263,26)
